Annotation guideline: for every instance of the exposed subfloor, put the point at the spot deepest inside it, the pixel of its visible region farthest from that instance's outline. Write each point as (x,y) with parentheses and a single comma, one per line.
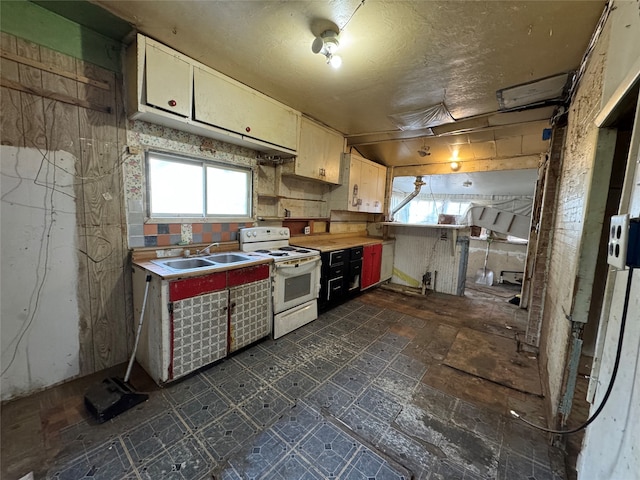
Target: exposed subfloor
(361,393)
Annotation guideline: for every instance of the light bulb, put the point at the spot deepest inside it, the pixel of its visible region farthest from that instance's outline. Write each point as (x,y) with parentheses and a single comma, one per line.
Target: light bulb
(455,166)
(335,61)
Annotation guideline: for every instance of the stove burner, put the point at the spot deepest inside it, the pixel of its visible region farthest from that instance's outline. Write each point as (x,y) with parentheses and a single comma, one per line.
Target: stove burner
(288,249)
(279,254)
(302,250)
(262,251)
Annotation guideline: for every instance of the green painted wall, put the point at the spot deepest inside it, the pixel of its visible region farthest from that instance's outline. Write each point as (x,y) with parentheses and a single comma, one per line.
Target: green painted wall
(36,24)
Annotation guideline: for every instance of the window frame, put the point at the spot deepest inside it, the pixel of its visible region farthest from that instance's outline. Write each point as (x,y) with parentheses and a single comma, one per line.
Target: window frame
(203,163)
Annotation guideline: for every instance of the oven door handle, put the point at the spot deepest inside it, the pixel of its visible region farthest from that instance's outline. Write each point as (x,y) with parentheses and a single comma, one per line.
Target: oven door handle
(297,265)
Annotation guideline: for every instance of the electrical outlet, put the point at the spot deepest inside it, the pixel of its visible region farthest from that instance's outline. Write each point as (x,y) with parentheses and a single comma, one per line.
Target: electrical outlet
(307,230)
(618,241)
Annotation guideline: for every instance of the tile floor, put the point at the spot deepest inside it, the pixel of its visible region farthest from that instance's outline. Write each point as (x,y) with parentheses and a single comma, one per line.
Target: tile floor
(348,396)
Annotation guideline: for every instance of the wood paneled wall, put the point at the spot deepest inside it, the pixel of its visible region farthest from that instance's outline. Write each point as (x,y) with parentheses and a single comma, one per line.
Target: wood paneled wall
(54,102)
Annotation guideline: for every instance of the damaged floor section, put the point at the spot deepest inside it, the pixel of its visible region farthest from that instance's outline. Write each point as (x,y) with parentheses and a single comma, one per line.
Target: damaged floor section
(361,393)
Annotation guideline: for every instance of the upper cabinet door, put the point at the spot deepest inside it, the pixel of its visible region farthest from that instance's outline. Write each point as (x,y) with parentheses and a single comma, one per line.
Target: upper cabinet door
(369,179)
(226,104)
(219,102)
(168,81)
(378,201)
(272,122)
(333,147)
(319,152)
(310,161)
(354,198)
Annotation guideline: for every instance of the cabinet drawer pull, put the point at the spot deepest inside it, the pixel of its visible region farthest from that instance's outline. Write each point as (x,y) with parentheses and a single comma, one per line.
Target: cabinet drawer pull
(172,103)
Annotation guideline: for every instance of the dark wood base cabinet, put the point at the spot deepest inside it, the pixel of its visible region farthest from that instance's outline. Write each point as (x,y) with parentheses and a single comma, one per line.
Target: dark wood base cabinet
(340,278)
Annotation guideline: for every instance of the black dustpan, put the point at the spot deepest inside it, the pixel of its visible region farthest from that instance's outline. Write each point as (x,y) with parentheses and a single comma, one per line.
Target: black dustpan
(113,396)
(110,398)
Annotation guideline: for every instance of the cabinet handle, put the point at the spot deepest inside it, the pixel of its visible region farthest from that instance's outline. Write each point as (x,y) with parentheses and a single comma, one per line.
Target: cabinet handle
(233,307)
(248,129)
(172,103)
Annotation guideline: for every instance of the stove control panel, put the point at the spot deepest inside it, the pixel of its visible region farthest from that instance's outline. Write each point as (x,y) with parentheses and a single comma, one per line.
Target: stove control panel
(263,234)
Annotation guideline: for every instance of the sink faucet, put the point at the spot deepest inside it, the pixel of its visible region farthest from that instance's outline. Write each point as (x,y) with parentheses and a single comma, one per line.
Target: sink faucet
(206,250)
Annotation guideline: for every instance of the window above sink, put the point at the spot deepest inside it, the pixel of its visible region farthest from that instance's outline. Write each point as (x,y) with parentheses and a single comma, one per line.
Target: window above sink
(187,188)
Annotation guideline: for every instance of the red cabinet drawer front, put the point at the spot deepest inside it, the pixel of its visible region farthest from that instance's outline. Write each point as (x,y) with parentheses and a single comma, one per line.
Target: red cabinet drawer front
(191,287)
(247,275)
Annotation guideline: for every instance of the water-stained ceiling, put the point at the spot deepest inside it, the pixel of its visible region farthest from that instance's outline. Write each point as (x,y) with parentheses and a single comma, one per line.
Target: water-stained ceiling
(398,56)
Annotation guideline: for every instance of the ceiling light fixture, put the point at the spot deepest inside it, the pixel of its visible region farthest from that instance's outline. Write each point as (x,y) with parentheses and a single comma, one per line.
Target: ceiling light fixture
(327,44)
(455,166)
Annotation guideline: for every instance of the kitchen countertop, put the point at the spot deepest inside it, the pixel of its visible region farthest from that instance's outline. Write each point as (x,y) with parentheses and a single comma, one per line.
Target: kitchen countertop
(170,274)
(329,242)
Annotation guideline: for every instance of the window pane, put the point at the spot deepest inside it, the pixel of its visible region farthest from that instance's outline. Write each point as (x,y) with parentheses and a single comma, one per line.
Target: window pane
(228,192)
(175,188)
(455,208)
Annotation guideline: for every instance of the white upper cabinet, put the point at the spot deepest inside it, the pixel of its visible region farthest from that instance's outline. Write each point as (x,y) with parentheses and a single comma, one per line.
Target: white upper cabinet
(168,88)
(353,173)
(363,186)
(225,103)
(319,153)
(168,81)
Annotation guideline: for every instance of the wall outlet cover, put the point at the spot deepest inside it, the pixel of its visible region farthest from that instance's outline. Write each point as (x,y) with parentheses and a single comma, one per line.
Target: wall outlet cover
(618,241)
(307,230)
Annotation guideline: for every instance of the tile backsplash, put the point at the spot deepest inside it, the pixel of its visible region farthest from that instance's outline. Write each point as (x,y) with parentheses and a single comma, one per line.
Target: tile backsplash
(167,234)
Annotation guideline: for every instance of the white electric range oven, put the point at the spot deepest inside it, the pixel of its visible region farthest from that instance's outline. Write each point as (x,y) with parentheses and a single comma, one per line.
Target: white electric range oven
(296,276)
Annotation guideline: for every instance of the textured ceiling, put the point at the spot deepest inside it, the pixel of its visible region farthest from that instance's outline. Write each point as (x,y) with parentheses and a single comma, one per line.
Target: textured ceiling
(397,56)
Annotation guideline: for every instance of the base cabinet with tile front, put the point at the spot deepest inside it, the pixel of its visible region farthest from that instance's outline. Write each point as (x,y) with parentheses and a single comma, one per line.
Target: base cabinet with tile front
(192,322)
(250,314)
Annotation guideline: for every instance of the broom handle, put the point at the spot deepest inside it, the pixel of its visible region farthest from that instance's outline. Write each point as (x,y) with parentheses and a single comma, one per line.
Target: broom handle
(486,258)
(135,346)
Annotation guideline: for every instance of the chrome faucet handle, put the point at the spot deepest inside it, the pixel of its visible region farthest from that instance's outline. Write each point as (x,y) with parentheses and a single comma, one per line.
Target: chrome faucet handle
(206,250)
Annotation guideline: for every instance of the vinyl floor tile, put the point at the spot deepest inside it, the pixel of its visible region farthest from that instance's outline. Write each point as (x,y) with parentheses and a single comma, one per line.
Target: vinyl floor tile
(335,399)
(227,435)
